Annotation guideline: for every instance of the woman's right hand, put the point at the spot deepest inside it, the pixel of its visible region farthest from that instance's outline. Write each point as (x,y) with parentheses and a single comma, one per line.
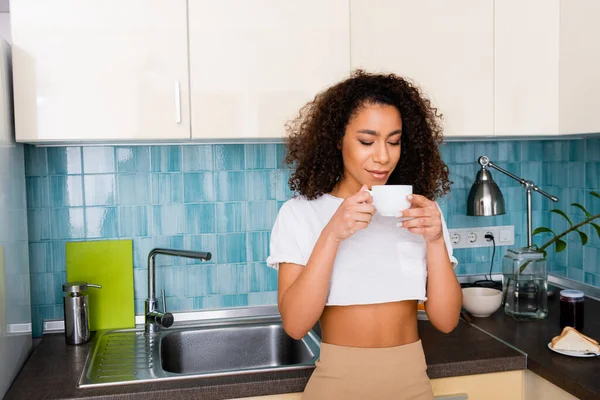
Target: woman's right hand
(353,214)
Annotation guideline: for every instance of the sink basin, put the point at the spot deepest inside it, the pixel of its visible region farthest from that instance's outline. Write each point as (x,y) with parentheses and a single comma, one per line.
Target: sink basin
(216,343)
(232,349)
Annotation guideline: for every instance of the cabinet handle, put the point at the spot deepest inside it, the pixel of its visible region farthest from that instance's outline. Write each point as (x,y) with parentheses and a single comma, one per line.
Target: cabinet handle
(177,102)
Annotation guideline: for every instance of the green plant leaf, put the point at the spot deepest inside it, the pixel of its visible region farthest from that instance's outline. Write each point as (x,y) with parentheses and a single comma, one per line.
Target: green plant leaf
(583,236)
(560,245)
(560,212)
(582,208)
(542,229)
(597,227)
(595,194)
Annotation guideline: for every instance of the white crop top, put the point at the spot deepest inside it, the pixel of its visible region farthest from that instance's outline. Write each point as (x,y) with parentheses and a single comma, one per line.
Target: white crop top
(379,264)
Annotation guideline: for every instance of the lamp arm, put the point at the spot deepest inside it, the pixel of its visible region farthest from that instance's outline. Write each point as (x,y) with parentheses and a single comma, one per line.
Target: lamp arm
(540,191)
(485,162)
(505,172)
(529,186)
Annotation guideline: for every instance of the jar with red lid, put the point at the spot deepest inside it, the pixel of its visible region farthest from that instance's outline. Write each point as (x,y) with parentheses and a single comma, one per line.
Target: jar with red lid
(571,309)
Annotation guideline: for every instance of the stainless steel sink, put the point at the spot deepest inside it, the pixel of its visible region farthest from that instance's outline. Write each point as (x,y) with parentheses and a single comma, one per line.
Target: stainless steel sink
(217,343)
(232,348)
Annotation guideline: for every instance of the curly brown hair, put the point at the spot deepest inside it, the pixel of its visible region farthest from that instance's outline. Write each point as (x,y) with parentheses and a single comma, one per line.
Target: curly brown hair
(314,136)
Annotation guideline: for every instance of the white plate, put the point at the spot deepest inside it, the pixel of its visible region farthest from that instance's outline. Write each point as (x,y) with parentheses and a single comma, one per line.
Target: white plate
(572,353)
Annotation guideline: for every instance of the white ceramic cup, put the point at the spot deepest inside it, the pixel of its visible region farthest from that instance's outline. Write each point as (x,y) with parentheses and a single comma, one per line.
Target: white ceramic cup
(388,199)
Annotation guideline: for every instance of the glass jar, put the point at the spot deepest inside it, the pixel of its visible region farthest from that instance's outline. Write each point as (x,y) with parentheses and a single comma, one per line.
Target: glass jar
(525,284)
(571,309)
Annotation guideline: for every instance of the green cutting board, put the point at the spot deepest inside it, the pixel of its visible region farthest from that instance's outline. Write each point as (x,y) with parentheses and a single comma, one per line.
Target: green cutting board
(108,263)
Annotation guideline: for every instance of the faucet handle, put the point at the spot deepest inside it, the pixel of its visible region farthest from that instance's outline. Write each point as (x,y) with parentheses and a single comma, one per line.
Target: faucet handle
(166,320)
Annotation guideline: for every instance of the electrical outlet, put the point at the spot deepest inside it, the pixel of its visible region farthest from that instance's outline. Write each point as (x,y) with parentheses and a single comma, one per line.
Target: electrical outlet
(455,238)
(475,237)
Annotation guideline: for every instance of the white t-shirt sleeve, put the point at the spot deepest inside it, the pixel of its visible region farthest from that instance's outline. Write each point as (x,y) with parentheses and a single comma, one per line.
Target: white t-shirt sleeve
(284,246)
(446,235)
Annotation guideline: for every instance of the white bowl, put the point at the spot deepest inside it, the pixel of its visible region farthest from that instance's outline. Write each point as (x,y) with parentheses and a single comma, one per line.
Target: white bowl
(480,301)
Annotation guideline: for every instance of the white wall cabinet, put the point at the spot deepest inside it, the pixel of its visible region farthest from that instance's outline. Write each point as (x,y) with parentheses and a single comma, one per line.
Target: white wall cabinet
(547,60)
(254,64)
(108,70)
(100,70)
(446,47)
(579,66)
(526,67)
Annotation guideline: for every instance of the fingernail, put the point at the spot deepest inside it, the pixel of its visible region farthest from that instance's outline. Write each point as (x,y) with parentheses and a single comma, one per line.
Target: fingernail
(409,197)
(398,213)
(398,224)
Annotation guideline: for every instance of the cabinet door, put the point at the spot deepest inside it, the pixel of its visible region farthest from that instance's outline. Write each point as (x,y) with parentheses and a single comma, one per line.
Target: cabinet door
(490,386)
(254,64)
(100,70)
(526,46)
(446,47)
(579,66)
(537,388)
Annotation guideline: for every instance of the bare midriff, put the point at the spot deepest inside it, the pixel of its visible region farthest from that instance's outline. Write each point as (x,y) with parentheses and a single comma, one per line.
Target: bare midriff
(370,325)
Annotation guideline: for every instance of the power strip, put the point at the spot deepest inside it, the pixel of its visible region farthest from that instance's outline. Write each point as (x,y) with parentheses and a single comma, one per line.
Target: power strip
(475,237)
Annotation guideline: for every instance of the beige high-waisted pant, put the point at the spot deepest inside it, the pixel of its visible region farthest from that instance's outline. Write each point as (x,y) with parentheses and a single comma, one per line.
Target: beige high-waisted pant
(348,373)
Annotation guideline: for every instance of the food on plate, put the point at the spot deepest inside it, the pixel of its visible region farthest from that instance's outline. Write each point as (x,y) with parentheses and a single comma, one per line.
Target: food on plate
(572,340)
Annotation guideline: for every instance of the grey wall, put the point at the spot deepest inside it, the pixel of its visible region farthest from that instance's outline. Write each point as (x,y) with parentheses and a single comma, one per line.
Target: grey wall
(15,303)
(5,21)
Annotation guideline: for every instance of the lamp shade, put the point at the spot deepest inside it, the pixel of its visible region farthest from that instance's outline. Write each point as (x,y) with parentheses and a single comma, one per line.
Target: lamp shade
(485,197)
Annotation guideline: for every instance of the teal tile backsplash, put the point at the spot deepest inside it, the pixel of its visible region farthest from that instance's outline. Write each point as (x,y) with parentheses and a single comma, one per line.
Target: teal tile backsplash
(97,160)
(133,159)
(65,191)
(225,198)
(64,160)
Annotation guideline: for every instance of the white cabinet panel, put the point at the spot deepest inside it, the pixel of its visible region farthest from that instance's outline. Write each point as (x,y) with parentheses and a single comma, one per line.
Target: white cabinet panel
(526,73)
(579,66)
(100,70)
(491,386)
(446,47)
(537,388)
(253,64)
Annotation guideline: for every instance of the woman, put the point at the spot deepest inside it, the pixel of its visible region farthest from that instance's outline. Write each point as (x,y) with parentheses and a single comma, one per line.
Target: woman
(340,263)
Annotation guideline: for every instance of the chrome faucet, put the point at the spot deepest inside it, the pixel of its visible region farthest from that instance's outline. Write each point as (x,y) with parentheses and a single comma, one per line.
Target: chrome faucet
(154,318)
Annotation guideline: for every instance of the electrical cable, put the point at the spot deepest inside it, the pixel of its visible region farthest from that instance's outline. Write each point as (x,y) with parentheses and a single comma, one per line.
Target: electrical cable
(488,282)
(489,236)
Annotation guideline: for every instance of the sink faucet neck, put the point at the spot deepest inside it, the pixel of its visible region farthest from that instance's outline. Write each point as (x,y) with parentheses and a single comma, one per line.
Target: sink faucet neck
(154,318)
(201,255)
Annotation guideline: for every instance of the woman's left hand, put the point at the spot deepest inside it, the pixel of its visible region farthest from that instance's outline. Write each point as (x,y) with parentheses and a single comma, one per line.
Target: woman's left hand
(426,219)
